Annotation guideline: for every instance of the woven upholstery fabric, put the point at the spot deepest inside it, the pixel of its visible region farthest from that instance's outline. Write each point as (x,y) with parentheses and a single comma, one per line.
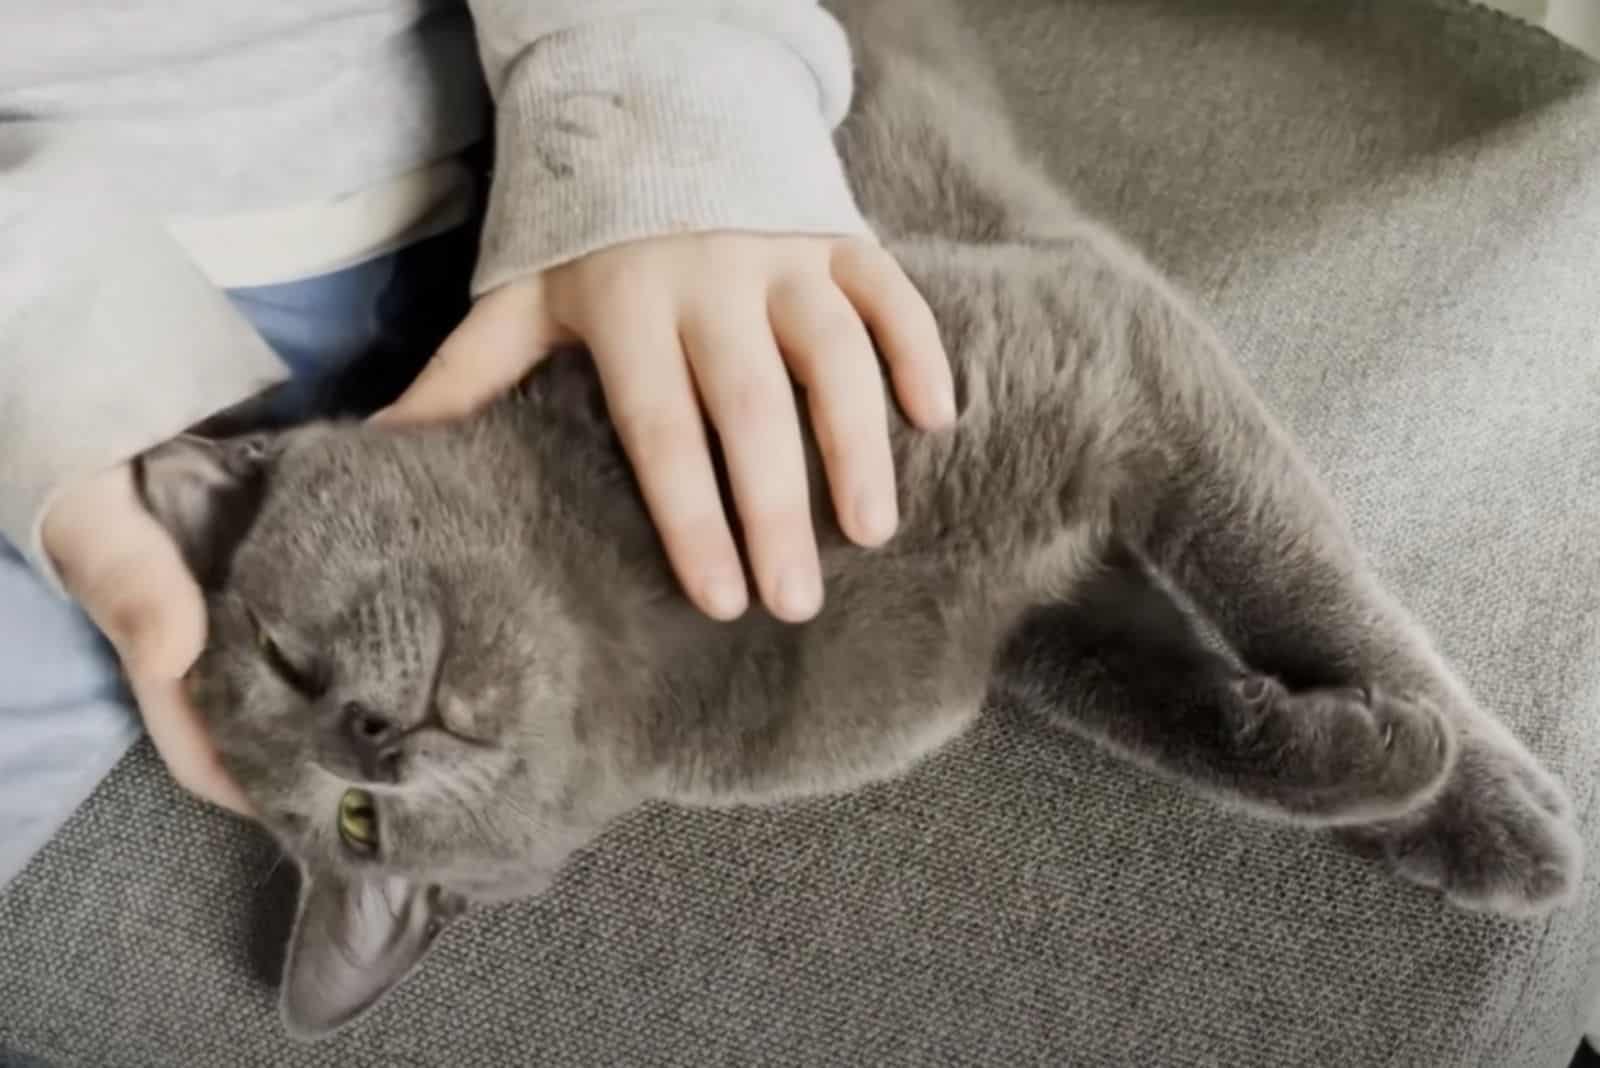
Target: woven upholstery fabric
(1393,210)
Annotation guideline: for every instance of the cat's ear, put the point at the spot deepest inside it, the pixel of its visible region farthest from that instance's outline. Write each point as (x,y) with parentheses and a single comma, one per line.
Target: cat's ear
(206,494)
(354,940)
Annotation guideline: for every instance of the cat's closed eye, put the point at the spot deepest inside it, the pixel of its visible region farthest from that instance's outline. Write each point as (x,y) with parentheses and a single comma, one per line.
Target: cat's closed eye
(304,678)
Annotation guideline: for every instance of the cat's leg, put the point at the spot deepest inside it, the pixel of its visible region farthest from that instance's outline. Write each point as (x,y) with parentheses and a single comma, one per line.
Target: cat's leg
(1253,539)
(1123,664)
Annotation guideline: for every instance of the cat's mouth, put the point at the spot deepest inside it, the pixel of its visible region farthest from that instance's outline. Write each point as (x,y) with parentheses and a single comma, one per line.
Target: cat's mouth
(349,773)
(375,758)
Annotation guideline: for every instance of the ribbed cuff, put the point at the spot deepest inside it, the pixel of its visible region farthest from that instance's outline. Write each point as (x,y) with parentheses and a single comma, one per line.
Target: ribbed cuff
(651,126)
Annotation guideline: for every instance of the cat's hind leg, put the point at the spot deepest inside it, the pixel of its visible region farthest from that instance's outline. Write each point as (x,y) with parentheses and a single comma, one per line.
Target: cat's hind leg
(1249,534)
(1122,663)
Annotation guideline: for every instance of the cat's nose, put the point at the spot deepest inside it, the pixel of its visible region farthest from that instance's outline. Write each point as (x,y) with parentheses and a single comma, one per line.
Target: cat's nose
(374,740)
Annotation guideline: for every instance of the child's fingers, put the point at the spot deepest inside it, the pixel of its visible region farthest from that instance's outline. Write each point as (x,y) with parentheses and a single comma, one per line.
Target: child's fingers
(180,737)
(904,328)
(154,615)
(129,576)
(746,389)
(830,353)
(652,402)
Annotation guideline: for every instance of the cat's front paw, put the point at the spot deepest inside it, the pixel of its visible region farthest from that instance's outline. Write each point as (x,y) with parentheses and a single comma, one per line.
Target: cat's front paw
(1500,836)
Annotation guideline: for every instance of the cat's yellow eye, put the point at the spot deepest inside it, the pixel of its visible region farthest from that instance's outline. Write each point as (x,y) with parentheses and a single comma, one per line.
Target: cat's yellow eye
(358,821)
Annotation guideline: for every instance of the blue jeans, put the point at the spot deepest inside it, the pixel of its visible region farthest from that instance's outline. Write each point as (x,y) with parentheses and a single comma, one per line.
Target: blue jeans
(65,716)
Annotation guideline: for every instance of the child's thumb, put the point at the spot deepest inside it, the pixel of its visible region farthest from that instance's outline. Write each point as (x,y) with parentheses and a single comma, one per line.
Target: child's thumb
(504,336)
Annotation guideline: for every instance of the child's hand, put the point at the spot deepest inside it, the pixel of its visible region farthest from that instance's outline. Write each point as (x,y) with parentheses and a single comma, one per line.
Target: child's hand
(127,573)
(722,322)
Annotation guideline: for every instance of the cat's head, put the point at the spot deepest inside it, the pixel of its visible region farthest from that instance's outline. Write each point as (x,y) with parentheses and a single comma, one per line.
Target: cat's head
(389,678)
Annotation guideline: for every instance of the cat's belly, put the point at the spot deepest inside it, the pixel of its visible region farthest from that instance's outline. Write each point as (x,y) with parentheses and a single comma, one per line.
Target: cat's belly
(845,764)
(895,666)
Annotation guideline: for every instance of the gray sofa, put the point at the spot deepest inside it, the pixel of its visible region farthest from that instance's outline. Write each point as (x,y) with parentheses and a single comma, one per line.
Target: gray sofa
(1392,208)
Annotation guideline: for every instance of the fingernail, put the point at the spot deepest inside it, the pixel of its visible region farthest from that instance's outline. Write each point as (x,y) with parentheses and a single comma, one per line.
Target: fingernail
(876,515)
(944,407)
(799,593)
(725,596)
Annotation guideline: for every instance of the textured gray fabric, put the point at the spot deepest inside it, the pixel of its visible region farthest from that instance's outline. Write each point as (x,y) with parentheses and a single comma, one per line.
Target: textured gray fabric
(1394,210)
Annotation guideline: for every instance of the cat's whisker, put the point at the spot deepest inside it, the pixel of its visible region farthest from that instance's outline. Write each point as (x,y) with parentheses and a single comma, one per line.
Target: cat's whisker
(461,796)
(271,870)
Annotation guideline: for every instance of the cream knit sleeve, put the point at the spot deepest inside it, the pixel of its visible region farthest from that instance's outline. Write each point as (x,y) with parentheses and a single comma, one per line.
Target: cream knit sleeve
(111,340)
(623,119)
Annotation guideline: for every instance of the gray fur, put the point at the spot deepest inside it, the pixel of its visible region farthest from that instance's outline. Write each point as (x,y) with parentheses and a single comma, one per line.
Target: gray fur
(1113,500)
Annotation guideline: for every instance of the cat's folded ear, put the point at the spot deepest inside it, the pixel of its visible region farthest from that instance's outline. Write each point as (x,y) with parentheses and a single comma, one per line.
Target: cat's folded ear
(354,940)
(206,494)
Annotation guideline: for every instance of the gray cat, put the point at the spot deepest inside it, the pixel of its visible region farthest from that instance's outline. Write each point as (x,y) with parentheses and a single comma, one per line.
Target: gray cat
(442,659)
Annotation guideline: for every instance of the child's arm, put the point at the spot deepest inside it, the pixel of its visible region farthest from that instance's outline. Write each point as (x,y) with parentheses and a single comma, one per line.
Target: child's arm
(666,189)
(111,341)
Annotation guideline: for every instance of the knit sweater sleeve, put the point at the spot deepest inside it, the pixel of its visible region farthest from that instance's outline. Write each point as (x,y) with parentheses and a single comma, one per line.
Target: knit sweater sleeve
(111,340)
(624,119)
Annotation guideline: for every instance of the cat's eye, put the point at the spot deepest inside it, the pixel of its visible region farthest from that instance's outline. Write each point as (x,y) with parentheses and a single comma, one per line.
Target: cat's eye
(306,681)
(358,821)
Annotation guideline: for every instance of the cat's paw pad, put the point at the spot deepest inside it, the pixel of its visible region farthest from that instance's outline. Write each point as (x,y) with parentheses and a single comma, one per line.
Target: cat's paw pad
(1356,755)
(1499,838)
